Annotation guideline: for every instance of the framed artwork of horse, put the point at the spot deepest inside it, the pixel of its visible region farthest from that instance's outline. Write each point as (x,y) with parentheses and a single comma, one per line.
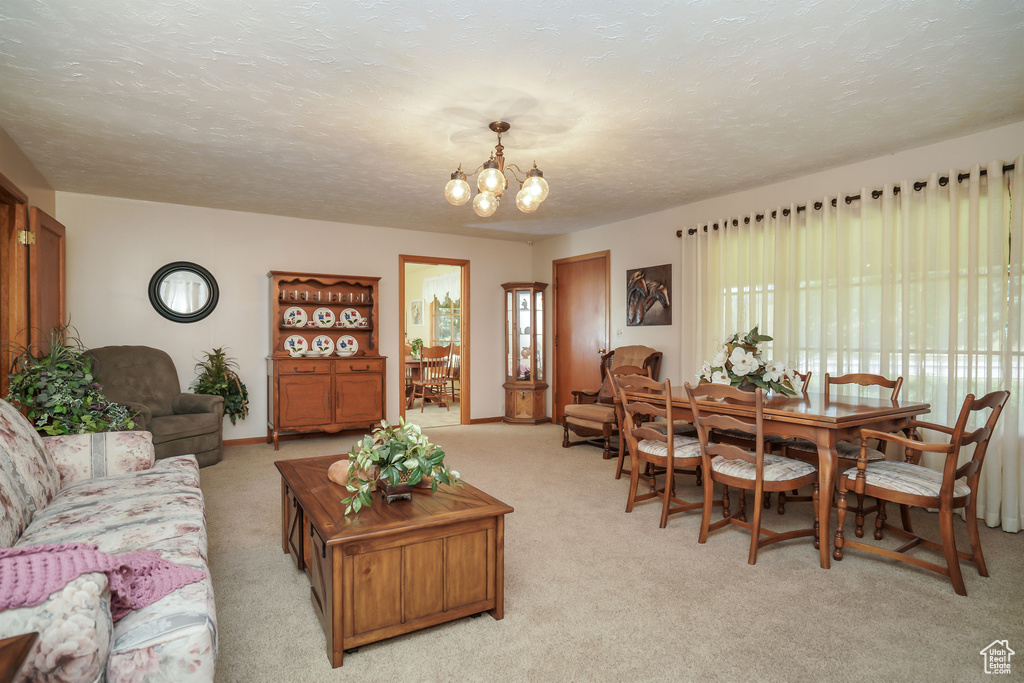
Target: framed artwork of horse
(648,296)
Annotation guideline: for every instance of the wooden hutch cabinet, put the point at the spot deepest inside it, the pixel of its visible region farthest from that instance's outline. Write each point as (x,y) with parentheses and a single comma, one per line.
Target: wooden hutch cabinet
(325,372)
(525,379)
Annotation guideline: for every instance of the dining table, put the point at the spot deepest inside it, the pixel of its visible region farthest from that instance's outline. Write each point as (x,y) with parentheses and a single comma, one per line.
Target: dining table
(810,416)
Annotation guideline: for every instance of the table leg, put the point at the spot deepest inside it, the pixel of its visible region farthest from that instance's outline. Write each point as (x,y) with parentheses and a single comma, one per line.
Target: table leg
(827,463)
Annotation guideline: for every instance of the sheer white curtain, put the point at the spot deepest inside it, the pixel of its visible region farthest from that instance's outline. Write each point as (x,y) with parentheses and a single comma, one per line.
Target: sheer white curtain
(441,285)
(924,283)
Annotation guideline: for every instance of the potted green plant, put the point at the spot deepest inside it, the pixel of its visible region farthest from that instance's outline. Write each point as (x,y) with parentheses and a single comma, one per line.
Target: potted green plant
(53,383)
(218,377)
(397,458)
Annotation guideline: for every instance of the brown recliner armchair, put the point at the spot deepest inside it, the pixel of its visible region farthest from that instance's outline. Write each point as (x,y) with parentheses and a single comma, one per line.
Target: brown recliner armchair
(592,414)
(145,380)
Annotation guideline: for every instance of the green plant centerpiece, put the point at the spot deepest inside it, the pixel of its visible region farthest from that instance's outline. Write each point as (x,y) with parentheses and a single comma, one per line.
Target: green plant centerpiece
(416,344)
(218,377)
(53,383)
(393,456)
(740,363)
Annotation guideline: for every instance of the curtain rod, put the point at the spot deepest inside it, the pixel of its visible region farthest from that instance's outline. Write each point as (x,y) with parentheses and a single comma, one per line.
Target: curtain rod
(849,199)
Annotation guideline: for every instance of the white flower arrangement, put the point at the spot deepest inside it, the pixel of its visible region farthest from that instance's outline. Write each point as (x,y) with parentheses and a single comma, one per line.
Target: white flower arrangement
(740,361)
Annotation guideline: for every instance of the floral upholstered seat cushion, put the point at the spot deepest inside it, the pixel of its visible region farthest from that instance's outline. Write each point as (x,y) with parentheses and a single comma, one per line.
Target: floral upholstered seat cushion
(776,468)
(848,450)
(906,478)
(683,447)
(28,475)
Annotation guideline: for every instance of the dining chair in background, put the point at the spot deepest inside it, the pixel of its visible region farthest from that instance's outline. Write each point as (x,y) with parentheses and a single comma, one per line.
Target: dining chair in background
(846,450)
(454,369)
(434,361)
(655,447)
(732,465)
(910,484)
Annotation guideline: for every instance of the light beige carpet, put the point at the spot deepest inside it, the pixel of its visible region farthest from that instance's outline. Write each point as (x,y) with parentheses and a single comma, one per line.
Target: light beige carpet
(592,593)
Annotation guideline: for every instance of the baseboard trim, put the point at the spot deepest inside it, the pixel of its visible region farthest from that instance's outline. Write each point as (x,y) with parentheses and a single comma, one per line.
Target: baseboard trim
(484,420)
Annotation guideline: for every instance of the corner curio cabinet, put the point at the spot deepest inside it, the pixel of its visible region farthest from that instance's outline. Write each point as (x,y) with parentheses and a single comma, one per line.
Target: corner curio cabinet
(525,378)
(325,372)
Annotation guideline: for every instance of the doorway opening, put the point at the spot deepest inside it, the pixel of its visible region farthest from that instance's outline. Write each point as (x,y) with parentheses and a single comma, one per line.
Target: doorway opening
(433,304)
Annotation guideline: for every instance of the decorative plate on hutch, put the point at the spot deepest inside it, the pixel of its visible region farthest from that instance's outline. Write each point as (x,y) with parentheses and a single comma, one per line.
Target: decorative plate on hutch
(351,317)
(296,343)
(347,345)
(295,317)
(323,317)
(323,344)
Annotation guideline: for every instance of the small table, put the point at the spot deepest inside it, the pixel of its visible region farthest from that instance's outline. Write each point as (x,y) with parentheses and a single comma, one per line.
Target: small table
(13,652)
(391,568)
(813,417)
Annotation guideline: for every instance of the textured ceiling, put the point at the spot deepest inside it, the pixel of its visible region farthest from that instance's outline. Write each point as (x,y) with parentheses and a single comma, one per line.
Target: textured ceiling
(358,111)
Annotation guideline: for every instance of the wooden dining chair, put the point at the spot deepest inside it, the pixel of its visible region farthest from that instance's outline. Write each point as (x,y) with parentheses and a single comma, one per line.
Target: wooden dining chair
(657,447)
(454,368)
(434,361)
(732,465)
(911,484)
(803,449)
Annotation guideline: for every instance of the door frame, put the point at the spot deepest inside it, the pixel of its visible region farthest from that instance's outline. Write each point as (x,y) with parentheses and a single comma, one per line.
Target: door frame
(464,327)
(607,256)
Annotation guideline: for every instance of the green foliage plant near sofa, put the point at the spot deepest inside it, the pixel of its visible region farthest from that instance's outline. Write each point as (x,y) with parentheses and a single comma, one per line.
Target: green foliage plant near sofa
(218,377)
(54,384)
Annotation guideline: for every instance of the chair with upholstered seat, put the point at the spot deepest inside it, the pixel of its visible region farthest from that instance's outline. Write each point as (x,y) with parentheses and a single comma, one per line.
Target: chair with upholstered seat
(592,414)
(910,484)
(732,465)
(145,380)
(660,448)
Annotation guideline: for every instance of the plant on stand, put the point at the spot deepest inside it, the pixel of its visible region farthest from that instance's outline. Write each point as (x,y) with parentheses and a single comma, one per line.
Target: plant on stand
(53,383)
(416,344)
(740,363)
(218,377)
(396,458)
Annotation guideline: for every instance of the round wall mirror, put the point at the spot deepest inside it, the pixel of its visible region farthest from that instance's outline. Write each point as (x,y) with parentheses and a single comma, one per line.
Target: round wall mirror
(183,292)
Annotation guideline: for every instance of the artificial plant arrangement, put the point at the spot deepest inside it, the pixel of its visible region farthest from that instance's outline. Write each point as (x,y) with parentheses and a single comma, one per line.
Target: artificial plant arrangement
(393,455)
(740,363)
(54,385)
(416,344)
(218,377)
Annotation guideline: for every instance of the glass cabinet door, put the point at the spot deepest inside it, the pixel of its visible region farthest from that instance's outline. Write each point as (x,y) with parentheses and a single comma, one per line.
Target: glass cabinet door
(510,331)
(538,335)
(524,323)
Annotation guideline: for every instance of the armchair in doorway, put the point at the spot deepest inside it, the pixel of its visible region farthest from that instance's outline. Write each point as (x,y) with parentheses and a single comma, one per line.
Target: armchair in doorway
(592,414)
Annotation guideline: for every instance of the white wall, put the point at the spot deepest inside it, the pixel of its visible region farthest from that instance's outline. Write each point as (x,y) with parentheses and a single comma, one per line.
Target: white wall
(22,172)
(115,245)
(651,240)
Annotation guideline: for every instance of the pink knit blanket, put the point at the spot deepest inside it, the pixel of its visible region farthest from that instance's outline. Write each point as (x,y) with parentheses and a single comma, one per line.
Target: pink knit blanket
(30,574)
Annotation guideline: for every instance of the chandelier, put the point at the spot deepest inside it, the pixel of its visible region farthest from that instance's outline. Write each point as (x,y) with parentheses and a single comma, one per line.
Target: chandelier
(492,182)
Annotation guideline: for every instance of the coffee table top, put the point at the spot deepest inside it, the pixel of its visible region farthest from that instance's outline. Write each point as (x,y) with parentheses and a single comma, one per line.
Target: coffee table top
(321,499)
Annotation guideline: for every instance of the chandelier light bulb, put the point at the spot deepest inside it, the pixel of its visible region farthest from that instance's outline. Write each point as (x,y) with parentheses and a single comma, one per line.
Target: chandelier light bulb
(491,179)
(536,185)
(485,204)
(526,202)
(457,190)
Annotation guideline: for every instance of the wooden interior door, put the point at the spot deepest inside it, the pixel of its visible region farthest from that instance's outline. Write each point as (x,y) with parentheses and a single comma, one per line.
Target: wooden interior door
(581,319)
(47,308)
(13,274)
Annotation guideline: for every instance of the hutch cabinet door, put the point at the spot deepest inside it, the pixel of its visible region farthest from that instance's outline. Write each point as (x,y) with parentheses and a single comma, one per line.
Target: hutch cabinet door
(360,391)
(305,400)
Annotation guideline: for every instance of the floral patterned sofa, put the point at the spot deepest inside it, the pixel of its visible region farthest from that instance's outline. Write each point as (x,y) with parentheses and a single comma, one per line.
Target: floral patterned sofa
(109,491)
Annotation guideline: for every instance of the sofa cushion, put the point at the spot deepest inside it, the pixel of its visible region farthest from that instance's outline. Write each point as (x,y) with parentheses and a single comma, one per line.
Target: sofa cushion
(86,456)
(28,475)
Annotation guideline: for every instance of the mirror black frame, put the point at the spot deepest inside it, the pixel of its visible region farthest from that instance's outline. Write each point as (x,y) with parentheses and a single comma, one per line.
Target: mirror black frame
(161,307)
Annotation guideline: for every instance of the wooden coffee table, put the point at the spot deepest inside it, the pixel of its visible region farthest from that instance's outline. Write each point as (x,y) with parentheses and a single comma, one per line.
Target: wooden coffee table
(392,568)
